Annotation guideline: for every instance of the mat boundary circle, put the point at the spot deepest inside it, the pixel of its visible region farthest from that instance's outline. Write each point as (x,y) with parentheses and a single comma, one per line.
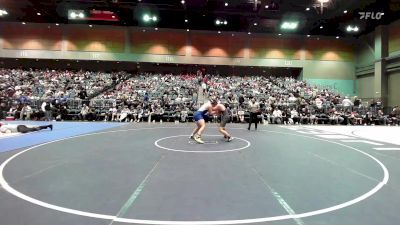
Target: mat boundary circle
(22,196)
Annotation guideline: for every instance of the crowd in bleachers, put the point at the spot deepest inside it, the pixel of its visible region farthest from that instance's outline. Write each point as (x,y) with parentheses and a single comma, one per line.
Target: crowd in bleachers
(84,95)
(49,84)
(285,100)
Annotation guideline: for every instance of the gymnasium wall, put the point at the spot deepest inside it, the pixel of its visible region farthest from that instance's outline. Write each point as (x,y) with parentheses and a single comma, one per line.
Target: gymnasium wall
(17,36)
(394,38)
(343,86)
(94,40)
(330,64)
(393,65)
(166,43)
(365,86)
(394,88)
(324,61)
(214,45)
(365,65)
(365,50)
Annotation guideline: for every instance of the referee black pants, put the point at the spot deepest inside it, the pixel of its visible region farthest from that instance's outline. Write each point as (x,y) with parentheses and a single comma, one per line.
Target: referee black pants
(253,119)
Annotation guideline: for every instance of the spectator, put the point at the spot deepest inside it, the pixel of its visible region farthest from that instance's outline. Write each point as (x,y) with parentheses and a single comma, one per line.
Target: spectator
(382,118)
(347,103)
(125,112)
(26,111)
(47,109)
(276,116)
(13,111)
(184,114)
(241,115)
(234,115)
(134,115)
(158,114)
(84,112)
(294,115)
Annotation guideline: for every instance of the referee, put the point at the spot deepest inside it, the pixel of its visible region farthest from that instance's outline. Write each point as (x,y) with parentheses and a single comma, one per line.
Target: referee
(254,107)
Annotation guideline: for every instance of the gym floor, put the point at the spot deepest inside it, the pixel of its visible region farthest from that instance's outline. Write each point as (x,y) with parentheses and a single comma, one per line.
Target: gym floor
(118,173)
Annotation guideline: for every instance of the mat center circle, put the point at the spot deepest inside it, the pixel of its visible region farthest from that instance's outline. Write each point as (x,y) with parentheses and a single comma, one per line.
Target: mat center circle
(212,144)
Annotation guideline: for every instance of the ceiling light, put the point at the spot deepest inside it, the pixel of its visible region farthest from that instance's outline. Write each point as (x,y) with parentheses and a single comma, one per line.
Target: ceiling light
(187,30)
(279,34)
(57,24)
(90,25)
(3,12)
(323,1)
(351,28)
(307,9)
(76,14)
(183,2)
(146,18)
(308,35)
(23,23)
(345,11)
(249,33)
(266,6)
(221,22)
(233,35)
(38,14)
(113,17)
(156,28)
(321,27)
(337,37)
(186,20)
(255,24)
(219,32)
(289,25)
(226,4)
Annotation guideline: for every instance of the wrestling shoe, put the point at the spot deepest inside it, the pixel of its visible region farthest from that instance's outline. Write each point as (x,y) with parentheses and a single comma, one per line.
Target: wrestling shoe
(229,139)
(51,127)
(197,138)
